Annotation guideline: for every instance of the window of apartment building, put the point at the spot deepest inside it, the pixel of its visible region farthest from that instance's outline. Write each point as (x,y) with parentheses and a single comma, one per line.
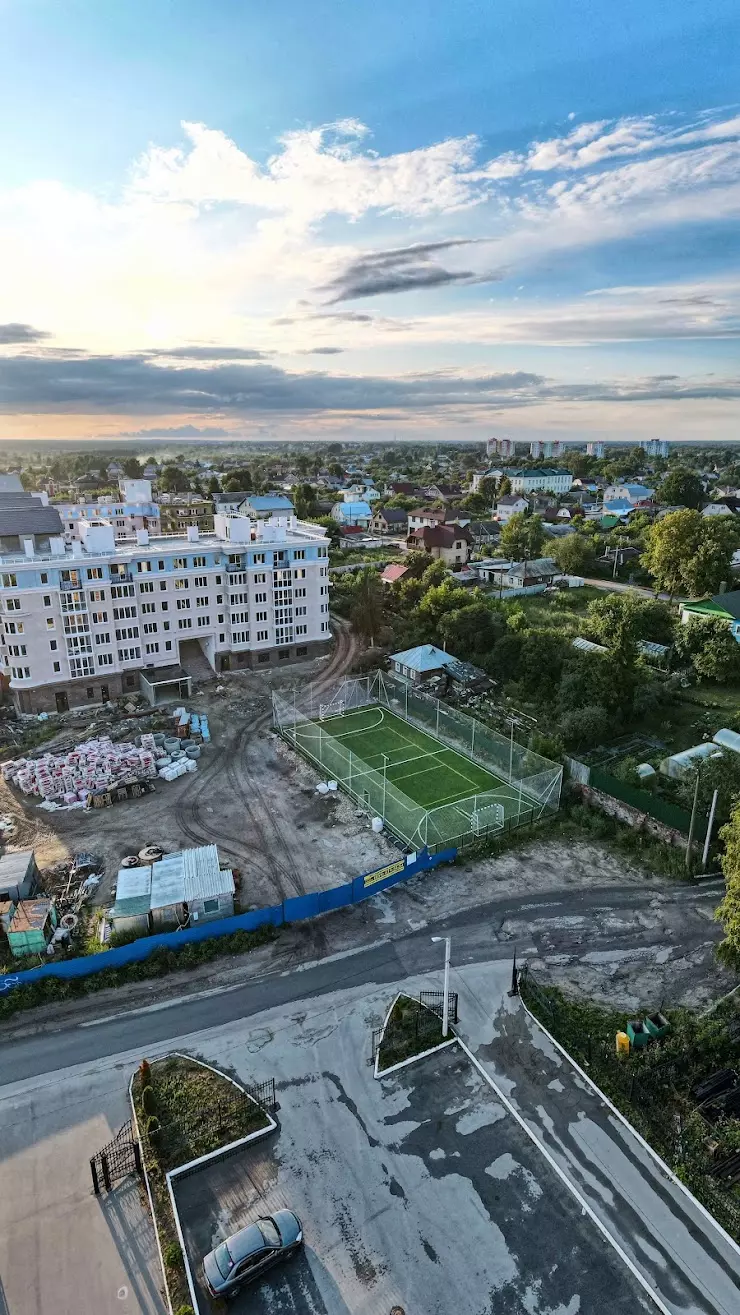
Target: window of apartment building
(163,585)
(17,650)
(239,618)
(237,577)
(94,572)
(81,666)
(168,645)
(240,637)
(148,607)
(185,623)
(183,604)
(70,577)
(144,568)
(235,599)
(299,593)
(146,588)
(165,606)
(53,645)
(299,573)
(218,579)
(10,582)
(50,623)
(47,600)
(127,632)
(79,644)
(179,563)
(14,627)
(150,627)
(12,604)
(283,655)
(56,666)
(235,559)
(200,581)
(260,597)
(160,565)
(182,584)
(323,589)
(21,673)
(301,652)
(219,598)
(323,570)
(324,607)
(204,620)
(300,611)
(129,654)
(263,657)
(261,616)
(105,659)
(260,577)
(96,596)
(165,625)
(301,630)
(151,648)
(259,559)
(299,555)
(202,601)
(103,638)
(123,613)
(122,591)
(324,625)
(222,639)
(44,577)
(199,561)
(99,618)
(262,635)
(90,692)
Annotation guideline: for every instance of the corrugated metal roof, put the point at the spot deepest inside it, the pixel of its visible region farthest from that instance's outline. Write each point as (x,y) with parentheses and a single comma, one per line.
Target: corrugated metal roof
(269,502)
(14,867)
(651,649)
(133,882)
(130,908)
(168,881)
(30,915)
(587,645)
(189,874)
(425,657)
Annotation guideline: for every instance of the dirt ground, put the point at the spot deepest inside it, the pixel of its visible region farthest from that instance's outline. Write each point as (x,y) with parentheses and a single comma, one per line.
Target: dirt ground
(252,796)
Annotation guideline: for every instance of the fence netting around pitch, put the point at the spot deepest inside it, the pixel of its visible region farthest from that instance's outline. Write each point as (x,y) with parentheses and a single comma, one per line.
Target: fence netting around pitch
(524,787)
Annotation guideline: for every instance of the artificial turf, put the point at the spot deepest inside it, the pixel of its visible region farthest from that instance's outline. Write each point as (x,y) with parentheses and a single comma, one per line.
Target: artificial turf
(418,765)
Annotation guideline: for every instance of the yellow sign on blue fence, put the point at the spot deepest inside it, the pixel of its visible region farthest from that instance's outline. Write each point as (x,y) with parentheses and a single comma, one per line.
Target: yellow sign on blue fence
(382,873)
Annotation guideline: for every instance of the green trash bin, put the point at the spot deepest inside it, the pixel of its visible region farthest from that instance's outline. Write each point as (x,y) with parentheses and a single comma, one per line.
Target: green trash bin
(638,1034)
(657,1025)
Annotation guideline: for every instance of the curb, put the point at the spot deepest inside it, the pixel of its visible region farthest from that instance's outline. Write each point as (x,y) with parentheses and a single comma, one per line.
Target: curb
(623,1119)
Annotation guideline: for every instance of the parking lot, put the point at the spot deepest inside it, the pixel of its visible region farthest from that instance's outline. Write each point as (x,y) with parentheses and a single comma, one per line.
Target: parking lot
(418,1191)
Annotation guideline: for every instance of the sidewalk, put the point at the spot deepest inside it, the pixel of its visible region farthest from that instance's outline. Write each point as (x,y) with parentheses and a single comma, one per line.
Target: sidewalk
(684,1258)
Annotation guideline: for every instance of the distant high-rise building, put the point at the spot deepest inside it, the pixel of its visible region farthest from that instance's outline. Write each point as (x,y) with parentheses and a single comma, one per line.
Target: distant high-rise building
(558,448)
(506,447)
(655,447)
(548,448)
(535,448)
(595,449)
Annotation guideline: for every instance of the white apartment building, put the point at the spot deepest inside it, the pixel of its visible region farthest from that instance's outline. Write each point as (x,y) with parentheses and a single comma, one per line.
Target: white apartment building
(81,621)
(544,479)
(135,510)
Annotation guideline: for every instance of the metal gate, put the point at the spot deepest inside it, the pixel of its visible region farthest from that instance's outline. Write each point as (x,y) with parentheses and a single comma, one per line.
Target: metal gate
(435,1000)
(117,1160)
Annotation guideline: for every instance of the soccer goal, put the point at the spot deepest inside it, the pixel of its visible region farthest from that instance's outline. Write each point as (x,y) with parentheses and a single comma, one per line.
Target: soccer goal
(331,710)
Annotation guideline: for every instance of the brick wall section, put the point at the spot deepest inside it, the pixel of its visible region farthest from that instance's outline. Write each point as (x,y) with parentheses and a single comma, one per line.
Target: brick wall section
(633,817)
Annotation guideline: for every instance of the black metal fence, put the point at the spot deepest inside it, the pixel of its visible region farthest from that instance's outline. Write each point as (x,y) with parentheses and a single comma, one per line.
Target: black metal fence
(435,1000)
(117,1160)
(420,1024)
(227,1113)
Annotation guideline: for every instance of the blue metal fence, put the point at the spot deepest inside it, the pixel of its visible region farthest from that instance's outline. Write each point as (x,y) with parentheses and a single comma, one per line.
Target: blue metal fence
(291,910)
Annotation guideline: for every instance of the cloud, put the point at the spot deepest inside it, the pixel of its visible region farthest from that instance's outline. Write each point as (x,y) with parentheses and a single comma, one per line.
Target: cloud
(179,431)
(323,351)
(403,269)
(20,333)
(209,353)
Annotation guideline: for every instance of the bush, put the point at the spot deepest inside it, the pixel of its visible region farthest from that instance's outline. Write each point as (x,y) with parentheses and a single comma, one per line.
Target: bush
(148,1100)
(152,1128)
(173,1256)
(184,1310)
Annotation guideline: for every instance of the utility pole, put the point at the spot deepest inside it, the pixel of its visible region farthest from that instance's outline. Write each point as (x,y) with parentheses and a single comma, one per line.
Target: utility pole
(446,1002)
(710,824)
(692,822)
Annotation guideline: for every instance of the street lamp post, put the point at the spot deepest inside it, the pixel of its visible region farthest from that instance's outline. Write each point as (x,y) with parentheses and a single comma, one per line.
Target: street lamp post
(385,773)
(446,1005)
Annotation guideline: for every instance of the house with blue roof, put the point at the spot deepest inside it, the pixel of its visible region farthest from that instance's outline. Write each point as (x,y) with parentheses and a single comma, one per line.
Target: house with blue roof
(260,506)
(631,493)
(426,660)
(358,513)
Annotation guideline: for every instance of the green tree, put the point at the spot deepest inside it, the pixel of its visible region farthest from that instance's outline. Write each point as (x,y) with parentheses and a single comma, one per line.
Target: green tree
(522,537)
(682,487)
(213,485)
(173,480)
(585,727)
(689,553)
(238,481)
(472,630)
(132,468)
(574,554)
(416,563)
(708,643)
(614,615)
(504,487)
(366,609)
(729,910)
(329,524)
(304,501)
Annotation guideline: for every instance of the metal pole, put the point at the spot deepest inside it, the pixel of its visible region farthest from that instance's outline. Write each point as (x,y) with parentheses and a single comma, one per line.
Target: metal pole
(511,751)
(446,1002)
(690,840)
(437,726)
(350,772)
(472,739)
(710,824)
(407,702)
(385,774)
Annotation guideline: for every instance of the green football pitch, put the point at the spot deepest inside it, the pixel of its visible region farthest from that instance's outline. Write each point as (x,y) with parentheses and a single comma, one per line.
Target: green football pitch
(417,764)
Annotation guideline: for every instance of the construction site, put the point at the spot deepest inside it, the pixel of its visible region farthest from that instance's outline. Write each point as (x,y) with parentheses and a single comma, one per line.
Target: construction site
(95,789)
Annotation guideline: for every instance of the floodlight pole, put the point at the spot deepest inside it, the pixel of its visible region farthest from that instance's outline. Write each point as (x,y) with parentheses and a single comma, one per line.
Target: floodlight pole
(511,751)
(385,774)
(446,1002)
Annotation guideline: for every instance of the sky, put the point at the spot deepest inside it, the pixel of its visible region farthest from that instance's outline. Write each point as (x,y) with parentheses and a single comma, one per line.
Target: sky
(365,219)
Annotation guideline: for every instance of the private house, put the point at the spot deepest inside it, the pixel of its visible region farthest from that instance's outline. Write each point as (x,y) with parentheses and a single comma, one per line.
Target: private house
(446,543)
(361,492)
(634,494)
(534,575)
(423,663)
(423,516)
(31,927)
(394,572)
(484,533)
(510,505)
(357,514)
(262,506)
(182,889)
(11,484)
(19,876)
(723,507)
(390,520)
(544,479)
(402,487)
(726,606)
(444,491)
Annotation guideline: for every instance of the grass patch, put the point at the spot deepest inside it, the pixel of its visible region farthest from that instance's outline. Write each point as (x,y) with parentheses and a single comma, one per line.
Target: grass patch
(185,1110)
(410,1030)
(160,963)
(652,1087)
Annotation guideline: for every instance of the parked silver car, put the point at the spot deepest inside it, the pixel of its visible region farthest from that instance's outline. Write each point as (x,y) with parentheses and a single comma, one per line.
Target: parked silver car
(248,1254)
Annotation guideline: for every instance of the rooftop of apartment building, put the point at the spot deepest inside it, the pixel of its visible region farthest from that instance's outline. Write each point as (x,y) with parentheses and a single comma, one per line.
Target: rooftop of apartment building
(232,533)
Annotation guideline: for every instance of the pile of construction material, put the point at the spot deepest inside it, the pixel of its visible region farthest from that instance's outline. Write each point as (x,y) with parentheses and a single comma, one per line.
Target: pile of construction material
(69,778)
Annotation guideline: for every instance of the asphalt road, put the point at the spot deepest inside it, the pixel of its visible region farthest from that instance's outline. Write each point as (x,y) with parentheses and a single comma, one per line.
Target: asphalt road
(486,933)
